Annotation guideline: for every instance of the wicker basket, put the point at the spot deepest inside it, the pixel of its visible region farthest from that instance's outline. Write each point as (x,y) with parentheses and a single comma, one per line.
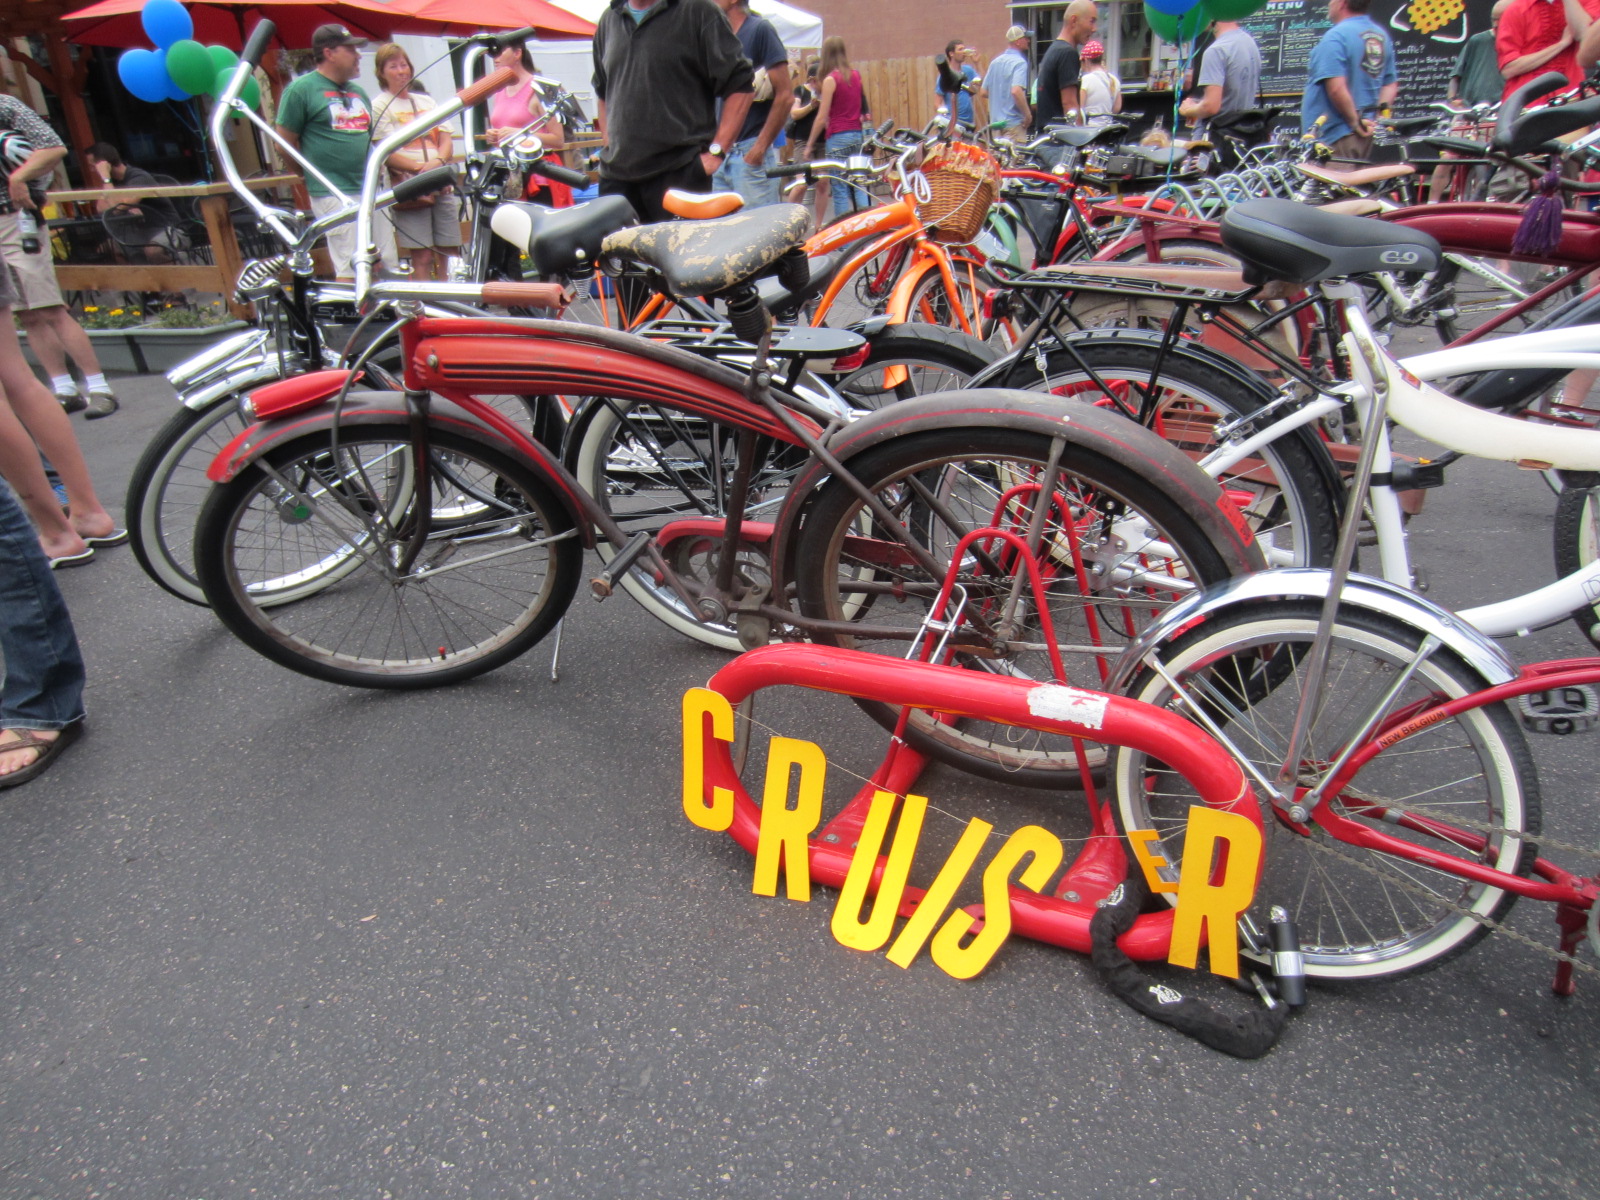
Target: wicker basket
(963,181)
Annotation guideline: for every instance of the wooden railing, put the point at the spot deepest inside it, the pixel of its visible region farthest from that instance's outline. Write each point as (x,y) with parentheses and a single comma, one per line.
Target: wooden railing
(216,276)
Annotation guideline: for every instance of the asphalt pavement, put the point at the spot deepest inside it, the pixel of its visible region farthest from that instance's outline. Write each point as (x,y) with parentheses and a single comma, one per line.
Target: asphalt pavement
(269,937)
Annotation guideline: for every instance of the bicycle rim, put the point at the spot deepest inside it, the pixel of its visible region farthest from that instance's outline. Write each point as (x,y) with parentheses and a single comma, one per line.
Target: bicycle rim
(1361,914)
(493,576)
(1115,552)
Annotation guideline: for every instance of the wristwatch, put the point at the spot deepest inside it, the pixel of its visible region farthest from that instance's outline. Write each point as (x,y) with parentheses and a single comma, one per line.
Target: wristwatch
(715,150)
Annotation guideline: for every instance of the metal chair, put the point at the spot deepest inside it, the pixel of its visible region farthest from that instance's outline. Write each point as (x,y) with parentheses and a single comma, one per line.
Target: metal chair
(145,234)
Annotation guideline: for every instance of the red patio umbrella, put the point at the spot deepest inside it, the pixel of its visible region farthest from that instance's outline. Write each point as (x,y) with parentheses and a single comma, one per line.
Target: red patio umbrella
(228,22)
(459,18)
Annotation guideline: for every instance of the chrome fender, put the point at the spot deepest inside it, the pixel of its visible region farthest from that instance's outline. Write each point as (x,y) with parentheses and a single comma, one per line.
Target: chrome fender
(239,379)
(235,353)
(367,408)
(1476,649)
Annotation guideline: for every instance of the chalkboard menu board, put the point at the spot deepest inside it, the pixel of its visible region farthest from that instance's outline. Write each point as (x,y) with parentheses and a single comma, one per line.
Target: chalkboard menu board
(1288,30)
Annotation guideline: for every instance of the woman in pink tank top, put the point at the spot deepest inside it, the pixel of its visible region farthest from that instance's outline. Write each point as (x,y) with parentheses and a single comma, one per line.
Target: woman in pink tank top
(841,115)
(518,103)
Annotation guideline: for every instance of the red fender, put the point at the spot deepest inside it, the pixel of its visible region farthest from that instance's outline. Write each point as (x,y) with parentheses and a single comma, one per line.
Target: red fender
(365,408)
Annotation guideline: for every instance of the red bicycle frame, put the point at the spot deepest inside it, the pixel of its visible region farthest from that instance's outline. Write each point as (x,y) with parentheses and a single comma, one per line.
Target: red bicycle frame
(1573,895)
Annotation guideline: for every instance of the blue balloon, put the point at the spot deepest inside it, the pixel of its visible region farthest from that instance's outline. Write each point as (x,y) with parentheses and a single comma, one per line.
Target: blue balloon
(144,73)
(1173,8)
(166,21)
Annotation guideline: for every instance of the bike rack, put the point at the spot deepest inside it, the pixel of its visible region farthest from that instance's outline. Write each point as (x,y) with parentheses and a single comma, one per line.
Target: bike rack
(1060,917)
(1063,916)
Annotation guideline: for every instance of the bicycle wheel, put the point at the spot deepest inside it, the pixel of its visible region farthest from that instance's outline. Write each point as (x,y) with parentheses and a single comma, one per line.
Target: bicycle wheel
(1117,548)
(1577,544)
(168,487)
(648,465)
(932,303)
(1288,491)
(911,360)
(1469,780)
(494,576)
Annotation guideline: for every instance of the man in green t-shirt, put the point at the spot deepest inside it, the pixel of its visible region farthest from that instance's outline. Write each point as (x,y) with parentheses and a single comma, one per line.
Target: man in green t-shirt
(328,118)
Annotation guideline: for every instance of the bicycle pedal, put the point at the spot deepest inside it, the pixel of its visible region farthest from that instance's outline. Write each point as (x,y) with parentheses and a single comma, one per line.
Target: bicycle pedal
(604,583)
(1560,711)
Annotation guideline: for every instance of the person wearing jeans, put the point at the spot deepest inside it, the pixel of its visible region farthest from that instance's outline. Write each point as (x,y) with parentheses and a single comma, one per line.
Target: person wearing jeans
(744,168)
(41,698)
(841,114)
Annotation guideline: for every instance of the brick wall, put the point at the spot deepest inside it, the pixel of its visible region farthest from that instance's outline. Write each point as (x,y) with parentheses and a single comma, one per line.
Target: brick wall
(892,29)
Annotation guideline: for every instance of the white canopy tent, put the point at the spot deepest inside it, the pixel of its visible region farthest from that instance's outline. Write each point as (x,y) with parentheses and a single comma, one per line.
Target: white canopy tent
(572,62)
(573,65)
(799,29)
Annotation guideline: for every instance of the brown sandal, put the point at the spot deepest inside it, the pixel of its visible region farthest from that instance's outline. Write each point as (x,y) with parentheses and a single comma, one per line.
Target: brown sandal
(49,749)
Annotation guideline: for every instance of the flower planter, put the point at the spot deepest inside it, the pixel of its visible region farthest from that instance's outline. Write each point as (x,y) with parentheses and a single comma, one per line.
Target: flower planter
(147,349)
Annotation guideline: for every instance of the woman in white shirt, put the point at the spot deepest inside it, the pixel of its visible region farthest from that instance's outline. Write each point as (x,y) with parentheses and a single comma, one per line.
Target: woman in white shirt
(1102,91)
(429,228)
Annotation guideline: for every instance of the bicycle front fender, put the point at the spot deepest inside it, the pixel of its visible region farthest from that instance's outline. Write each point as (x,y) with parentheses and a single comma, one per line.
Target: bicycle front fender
(1477,650)
(366,409)
(899,306)
(244,376)
(240,354)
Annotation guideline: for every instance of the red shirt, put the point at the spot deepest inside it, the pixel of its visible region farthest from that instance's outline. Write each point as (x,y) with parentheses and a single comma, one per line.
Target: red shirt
(1529,26)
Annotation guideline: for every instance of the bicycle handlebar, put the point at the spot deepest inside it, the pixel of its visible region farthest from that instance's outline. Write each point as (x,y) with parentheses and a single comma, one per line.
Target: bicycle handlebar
(527,295)
(260,36)
(476,93)
(785,170)
(424,182)
(560,173)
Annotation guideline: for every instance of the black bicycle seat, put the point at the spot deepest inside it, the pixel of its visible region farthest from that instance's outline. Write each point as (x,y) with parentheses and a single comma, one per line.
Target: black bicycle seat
(1080,136)
(562,240)
(1296,243)
(1455,145)
(706,258)
(1517,132)
(823,268)
(1162,156)
(1406,126)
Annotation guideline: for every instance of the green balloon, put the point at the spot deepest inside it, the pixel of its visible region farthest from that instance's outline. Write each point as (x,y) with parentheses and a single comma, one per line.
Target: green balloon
(250,93)
(222,57)
(190,66)
(1232,10)
(1173,29)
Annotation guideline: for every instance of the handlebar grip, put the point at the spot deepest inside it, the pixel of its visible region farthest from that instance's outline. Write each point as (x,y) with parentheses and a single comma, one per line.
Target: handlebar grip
(260,36)
(560,173)
(1511,107)
(884,129)
(475,93)
(526,34)
(527,295)
(785,170)
(428,181)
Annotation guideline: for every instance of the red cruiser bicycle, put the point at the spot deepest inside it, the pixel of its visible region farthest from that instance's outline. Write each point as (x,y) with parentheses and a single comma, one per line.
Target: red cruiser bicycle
(430,539)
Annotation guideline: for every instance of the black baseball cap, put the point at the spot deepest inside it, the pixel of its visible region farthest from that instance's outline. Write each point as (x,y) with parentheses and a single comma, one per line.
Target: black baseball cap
(328,36)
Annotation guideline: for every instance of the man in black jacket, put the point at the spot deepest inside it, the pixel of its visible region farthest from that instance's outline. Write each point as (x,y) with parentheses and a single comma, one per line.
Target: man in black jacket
(659,70)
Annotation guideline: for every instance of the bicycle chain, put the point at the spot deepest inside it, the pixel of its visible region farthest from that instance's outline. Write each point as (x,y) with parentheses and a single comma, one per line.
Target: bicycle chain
(1479,826)
(1321,841)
